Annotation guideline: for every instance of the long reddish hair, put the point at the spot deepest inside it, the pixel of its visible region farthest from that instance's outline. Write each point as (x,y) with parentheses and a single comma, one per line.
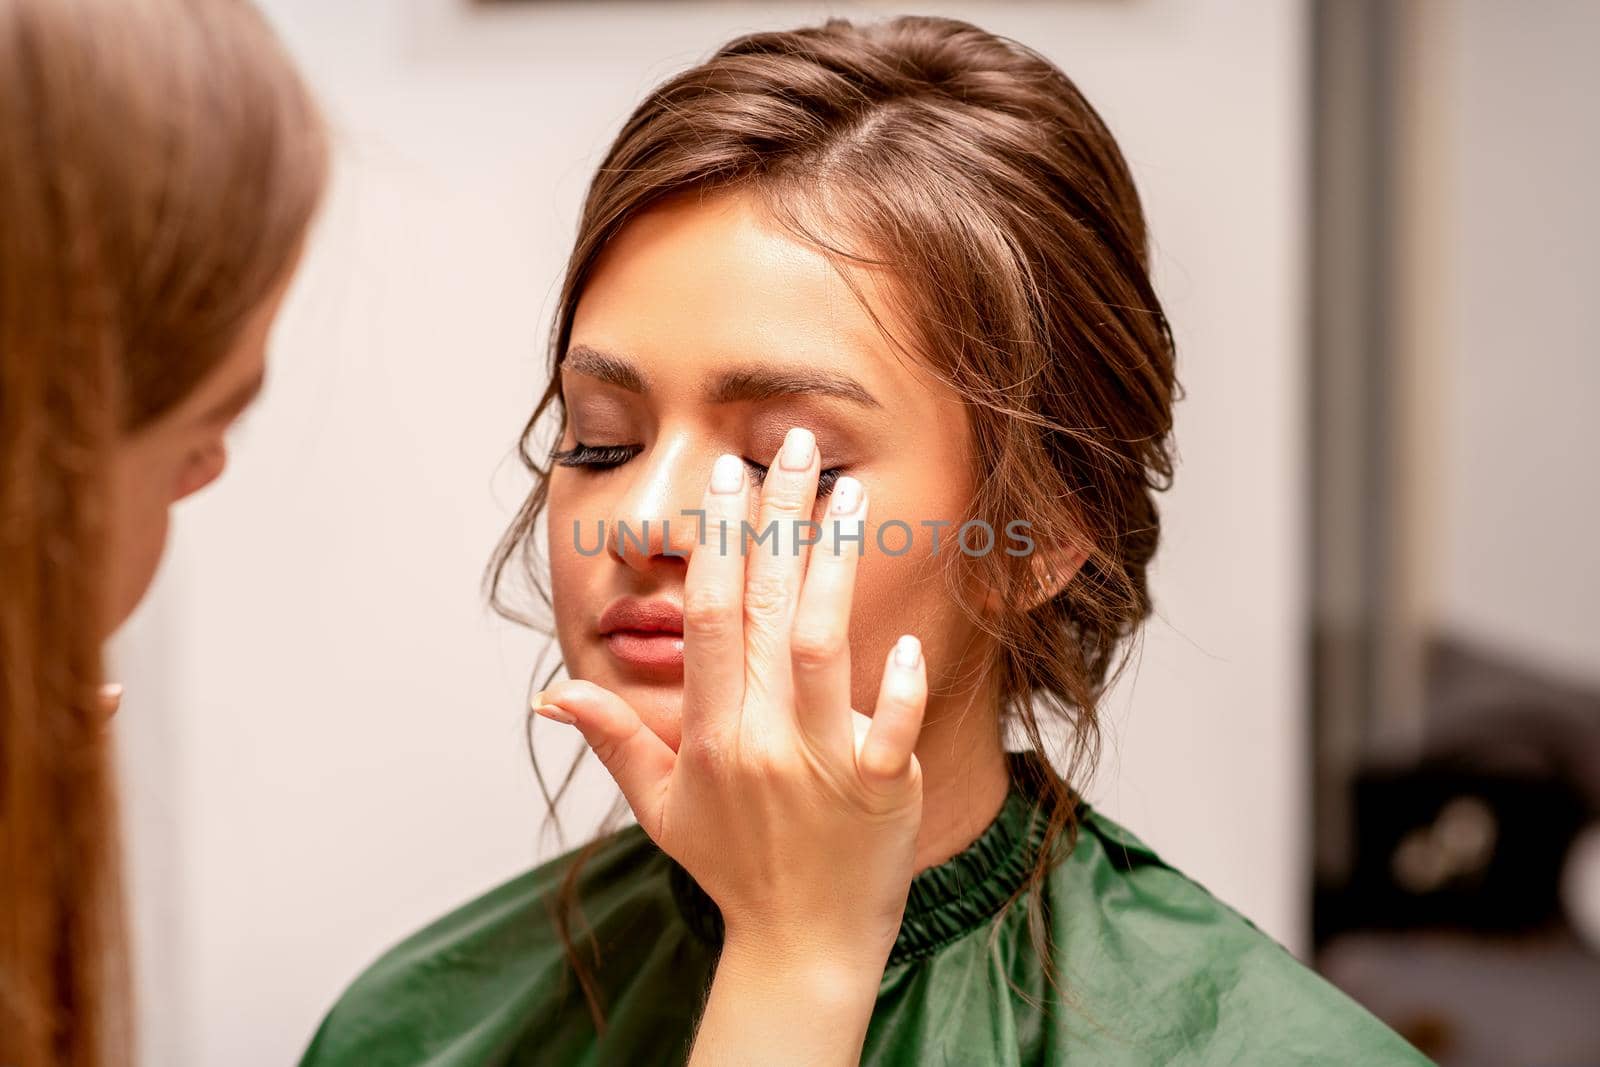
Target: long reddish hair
(974,171)
(159,165)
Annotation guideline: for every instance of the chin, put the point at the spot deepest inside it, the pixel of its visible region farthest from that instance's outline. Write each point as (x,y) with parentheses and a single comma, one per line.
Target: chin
(660,706)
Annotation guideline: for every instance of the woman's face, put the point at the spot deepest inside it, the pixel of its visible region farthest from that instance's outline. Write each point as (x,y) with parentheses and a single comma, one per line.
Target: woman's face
(179,453)
(705,329)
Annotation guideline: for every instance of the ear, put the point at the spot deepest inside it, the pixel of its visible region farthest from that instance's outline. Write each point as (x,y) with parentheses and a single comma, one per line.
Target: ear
(1054,567)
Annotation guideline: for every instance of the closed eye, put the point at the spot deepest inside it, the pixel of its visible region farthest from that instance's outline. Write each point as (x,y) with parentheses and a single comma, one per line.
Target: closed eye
(601,457)
(609,457)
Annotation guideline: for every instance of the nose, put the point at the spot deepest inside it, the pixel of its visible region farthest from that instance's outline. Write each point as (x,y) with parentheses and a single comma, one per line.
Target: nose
(653,523)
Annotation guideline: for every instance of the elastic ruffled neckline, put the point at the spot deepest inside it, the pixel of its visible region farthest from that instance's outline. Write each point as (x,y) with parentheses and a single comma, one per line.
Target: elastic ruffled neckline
(946,901)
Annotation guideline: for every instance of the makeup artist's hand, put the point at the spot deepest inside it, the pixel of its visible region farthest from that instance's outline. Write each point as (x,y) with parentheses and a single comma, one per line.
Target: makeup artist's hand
(795,813)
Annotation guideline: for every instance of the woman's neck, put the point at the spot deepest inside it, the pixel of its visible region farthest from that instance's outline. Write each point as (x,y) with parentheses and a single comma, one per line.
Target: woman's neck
(964,774)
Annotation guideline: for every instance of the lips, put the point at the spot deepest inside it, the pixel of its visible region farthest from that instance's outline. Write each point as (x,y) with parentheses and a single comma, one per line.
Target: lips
(642,616)
(646,636)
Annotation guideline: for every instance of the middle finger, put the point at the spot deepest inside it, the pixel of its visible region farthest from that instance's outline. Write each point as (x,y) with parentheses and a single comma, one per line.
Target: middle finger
(778,553)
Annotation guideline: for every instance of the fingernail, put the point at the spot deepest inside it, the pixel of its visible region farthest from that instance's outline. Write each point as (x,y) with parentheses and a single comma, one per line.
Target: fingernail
(727,474)
(846,496)
(537,699)
(798,448)
(559,714)
(907,651)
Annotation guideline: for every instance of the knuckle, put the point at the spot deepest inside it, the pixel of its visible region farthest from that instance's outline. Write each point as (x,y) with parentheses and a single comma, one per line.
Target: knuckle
(785,496)
(766,597)
(900,693)
(770,761)
(708,611)
(816,645)
(579,689)
(705,753)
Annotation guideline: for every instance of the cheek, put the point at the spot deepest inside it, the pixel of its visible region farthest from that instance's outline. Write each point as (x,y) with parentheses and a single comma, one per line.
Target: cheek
(138,537)
(897,595)
(567,573)
(901,587)
(572,571)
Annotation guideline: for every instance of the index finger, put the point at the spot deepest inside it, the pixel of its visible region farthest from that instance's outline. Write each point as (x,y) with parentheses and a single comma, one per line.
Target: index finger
(713,606)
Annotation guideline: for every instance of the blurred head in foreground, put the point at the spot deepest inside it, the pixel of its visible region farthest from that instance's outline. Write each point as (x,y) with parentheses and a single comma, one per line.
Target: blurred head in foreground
(160,163)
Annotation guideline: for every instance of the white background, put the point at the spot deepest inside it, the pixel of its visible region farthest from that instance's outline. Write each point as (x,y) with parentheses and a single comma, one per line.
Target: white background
(1519,503)
(323,733)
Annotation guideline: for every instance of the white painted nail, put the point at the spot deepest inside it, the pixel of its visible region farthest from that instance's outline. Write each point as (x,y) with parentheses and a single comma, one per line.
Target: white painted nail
(727,474)
(846,496)
(798,448)
(907,651)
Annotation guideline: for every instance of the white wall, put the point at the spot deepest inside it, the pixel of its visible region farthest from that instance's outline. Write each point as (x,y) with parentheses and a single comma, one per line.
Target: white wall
(1516,566)
(323,728)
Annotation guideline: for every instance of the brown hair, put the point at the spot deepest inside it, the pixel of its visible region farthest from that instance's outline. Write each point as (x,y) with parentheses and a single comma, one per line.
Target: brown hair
(159,165)
(978,176)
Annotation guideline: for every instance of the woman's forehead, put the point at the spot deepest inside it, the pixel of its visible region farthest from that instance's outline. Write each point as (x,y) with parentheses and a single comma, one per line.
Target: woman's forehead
(703,291)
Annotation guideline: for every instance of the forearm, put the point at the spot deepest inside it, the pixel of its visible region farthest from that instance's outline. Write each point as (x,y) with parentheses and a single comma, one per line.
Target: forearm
(801,1006)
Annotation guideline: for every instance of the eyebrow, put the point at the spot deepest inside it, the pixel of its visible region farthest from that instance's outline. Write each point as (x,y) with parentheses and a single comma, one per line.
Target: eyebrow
(226,409)
(749,384)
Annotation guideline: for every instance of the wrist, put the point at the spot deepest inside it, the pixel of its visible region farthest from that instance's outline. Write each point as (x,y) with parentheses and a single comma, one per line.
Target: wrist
(826,970)
(821,933)
(802,1001)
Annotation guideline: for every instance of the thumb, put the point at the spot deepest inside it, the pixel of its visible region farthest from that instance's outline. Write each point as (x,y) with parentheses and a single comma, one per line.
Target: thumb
(638,760)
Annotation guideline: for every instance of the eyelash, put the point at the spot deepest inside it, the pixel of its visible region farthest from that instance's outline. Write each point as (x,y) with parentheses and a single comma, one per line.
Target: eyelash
(607,457)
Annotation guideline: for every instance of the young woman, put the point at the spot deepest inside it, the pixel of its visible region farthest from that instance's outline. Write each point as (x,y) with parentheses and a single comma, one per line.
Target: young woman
(159,165)
(890,280)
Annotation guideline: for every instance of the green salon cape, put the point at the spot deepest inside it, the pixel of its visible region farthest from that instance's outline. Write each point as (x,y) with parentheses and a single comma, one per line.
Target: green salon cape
(1155,970)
